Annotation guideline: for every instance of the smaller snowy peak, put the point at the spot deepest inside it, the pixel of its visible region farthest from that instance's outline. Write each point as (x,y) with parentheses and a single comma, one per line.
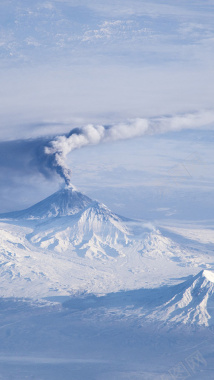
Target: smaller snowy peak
(192,302)
(208,275)
(67,201)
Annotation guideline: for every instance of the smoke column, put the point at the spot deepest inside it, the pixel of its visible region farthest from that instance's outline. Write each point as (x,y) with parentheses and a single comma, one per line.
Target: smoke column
(58,149)
(89,135)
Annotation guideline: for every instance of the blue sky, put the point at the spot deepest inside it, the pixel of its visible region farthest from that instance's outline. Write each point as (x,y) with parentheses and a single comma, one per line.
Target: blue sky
(70,63)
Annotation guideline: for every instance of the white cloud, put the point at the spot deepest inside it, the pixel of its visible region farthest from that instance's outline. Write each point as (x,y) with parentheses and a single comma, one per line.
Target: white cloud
(31,41)
(117,29)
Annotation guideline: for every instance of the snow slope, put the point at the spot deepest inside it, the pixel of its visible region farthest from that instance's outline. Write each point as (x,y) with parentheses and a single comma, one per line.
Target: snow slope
(190,302)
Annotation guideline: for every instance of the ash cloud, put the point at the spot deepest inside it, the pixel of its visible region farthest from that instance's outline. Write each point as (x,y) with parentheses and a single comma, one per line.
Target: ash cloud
(58,149)
(47,156)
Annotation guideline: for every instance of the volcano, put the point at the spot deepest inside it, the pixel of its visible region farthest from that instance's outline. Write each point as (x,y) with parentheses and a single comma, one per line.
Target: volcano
(67,201)
(69,220)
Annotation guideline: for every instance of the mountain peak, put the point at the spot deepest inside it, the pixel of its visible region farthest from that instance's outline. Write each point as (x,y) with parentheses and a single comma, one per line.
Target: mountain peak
(192,301)
(66,201)
(209,275)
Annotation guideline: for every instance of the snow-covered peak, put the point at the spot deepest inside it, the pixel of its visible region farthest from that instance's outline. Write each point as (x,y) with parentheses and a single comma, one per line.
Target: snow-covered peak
(70,221)
(192,301)
(84,226)
(67,201)
(208,275)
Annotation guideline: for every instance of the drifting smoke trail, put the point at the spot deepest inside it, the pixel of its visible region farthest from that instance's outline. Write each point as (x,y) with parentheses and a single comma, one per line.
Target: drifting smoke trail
(95,134)
(89,135)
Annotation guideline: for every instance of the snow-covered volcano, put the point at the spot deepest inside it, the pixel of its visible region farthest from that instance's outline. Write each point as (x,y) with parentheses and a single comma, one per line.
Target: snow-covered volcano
(69,220)
(67,201)
(192,301)
(75,222)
